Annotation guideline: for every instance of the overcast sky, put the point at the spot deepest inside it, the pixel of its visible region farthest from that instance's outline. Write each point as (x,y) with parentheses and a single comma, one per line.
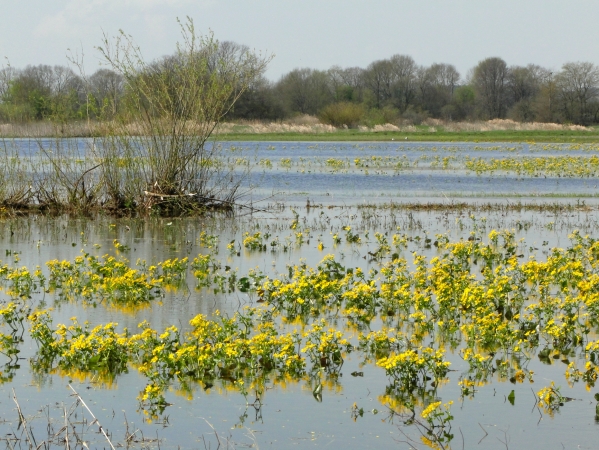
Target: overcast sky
(313,33)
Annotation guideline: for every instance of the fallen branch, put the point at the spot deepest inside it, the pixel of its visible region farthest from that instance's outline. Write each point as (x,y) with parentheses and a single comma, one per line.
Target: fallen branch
(154,194)
(206,199)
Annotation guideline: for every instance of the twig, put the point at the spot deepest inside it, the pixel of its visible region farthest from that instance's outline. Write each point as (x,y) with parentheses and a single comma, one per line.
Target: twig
(537,406)
(484,431)
(153,194)
(9,444)
(94,417)
(23,421)
(66,428)
(506,439)
(215,434)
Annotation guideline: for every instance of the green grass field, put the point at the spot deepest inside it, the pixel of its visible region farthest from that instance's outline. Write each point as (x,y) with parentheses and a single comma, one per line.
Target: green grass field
(424,135)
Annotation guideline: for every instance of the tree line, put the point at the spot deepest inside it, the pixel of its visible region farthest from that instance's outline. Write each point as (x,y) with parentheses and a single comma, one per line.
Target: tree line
(386,91)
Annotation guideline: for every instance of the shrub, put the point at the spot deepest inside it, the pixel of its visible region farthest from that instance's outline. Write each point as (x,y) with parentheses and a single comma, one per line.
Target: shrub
(342,114)
(376,116)
(156,152)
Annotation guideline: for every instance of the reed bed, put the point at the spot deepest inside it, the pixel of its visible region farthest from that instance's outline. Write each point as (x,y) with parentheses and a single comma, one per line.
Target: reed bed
(505,125)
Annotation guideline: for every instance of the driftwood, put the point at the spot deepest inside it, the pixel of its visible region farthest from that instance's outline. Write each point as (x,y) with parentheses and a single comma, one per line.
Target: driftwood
(226,203)
(154,194)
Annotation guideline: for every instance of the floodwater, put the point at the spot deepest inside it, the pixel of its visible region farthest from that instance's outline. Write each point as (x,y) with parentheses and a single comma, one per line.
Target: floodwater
(290,416)
(295,172)
(403,171)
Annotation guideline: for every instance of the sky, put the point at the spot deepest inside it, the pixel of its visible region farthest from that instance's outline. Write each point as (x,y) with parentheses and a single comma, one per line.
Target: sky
(311,33)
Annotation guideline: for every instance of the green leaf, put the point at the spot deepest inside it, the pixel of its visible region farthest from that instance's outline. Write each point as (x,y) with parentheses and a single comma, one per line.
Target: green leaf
(244,284)
(512,397)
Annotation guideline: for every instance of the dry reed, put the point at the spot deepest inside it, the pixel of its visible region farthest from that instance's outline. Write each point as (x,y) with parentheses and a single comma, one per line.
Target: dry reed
(304,124)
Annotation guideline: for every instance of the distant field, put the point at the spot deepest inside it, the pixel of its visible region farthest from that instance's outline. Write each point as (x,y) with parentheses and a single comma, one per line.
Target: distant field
(436,131)
(438,136)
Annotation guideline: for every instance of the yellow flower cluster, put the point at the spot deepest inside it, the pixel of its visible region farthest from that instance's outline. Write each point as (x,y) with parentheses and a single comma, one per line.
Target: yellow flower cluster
(96,279)
(563,166)
(478,296)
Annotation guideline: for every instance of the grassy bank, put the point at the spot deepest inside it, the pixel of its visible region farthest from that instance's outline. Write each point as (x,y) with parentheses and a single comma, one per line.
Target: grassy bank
(311,130)
(556,136)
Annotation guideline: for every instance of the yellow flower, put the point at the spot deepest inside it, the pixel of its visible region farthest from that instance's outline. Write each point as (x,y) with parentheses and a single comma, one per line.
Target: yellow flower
(429,409)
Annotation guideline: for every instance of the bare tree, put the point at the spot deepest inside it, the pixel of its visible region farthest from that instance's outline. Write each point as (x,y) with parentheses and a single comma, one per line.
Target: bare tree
(7,75)
(524,85)
(305,91)
(346,84)
(259,101)
(404,70)
(425,89)
(446,77)
(107,88)
(68,94)
(63,80)
(489,81)
(545,103)
(379,78)
(353,78)
(578,86)
(437,84)
(40,77)
(337,83)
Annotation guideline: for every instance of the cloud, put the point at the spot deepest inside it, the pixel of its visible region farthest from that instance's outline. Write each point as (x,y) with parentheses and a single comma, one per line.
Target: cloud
(77,19)
(79,26)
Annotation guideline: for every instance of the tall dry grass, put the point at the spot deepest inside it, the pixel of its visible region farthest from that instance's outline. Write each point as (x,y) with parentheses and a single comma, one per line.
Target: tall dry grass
(50,129)
(311,125)
(304,124)
(503,125)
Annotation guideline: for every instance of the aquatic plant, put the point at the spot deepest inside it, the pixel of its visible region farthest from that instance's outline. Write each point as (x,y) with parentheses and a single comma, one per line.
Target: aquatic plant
(106,278)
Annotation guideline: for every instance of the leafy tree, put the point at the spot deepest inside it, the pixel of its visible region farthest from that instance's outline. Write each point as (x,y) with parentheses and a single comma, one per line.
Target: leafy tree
(463,104)
(259,102)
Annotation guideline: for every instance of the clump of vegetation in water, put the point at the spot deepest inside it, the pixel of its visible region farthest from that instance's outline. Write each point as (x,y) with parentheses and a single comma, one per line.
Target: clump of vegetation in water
(477,298)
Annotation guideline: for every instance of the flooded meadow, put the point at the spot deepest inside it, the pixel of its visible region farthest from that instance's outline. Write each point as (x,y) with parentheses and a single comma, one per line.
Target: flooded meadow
(384,295)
